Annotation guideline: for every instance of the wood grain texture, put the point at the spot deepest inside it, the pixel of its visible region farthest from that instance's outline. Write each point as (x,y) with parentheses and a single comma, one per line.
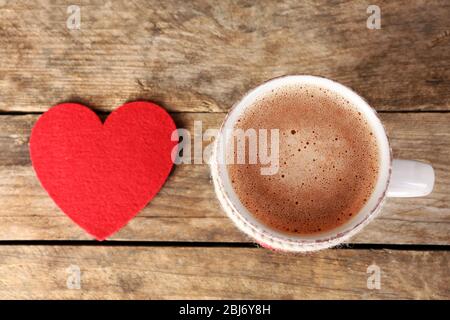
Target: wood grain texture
(32,272)
(203,55)
(186,208)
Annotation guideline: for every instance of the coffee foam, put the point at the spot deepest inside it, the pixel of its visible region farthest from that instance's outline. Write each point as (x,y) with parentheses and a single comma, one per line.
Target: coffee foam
(329,161)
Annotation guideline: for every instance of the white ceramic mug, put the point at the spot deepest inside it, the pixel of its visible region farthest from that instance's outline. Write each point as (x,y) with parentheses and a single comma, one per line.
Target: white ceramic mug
(397,178)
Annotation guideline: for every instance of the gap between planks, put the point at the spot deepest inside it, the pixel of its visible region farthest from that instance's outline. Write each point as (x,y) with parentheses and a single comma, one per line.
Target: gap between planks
(204,244)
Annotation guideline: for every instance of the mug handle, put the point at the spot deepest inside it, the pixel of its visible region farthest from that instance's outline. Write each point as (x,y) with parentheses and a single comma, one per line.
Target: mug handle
(410,179)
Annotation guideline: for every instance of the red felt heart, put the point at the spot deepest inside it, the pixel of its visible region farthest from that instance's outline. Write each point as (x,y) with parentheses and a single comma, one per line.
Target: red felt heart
(102,175)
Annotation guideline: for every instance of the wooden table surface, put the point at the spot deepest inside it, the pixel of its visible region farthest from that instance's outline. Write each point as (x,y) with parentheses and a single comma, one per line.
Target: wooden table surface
(196,59)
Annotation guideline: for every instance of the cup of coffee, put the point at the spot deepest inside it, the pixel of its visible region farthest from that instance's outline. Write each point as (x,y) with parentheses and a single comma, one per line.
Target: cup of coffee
(302,163)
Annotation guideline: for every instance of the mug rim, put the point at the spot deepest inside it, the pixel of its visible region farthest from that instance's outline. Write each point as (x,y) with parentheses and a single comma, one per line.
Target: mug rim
(268,236)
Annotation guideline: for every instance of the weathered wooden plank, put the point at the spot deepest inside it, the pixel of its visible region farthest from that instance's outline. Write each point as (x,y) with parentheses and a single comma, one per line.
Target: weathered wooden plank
(186,208)
(31,272)
(203,55)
